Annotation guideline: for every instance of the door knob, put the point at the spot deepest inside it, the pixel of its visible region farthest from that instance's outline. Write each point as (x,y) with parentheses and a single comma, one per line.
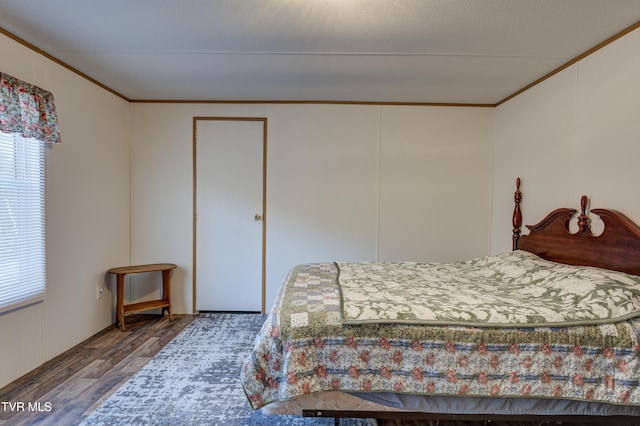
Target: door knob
(257,216)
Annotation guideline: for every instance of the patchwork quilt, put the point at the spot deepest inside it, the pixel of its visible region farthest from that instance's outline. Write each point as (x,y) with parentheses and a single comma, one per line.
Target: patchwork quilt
(307,345)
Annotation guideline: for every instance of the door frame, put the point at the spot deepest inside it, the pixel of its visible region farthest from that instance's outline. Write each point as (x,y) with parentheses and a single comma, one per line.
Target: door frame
(264,198)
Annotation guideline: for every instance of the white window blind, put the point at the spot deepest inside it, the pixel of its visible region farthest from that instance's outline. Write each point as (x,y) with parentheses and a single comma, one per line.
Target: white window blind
(22,243)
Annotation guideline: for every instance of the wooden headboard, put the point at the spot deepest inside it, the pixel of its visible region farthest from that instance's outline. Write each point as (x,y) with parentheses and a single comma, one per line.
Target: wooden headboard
(617,248)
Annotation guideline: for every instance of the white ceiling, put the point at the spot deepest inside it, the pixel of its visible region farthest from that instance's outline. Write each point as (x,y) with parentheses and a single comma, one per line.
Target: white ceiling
(449,51)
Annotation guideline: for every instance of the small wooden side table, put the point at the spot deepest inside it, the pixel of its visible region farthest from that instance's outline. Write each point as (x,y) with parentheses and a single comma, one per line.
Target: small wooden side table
(164,303)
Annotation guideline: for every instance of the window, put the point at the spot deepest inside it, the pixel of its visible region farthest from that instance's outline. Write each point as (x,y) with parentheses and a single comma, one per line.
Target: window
(22,226)
(28,120)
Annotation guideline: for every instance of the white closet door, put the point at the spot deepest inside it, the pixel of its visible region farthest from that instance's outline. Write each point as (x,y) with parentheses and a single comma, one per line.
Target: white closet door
(229,214)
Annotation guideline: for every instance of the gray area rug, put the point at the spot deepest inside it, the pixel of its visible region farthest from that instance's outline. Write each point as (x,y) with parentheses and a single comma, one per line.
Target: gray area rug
(195,380)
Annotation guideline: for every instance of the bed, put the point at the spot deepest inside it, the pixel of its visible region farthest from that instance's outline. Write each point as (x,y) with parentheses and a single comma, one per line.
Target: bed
(548,331)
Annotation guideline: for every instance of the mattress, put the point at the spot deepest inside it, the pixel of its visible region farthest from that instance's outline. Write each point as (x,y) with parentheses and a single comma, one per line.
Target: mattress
(394,402)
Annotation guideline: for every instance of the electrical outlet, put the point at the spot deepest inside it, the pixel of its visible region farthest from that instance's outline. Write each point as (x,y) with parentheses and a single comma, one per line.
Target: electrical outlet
(100,289)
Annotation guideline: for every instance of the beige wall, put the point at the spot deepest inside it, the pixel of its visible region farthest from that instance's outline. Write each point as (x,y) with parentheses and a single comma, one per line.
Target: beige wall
(87,214)
(344,182)
(576,133)
(435,186)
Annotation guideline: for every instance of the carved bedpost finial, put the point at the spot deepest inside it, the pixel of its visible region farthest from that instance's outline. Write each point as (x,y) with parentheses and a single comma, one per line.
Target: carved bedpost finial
(583,219)
(517,216)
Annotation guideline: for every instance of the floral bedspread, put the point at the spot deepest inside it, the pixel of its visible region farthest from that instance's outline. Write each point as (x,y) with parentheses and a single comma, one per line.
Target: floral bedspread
(304,347)
(506,290)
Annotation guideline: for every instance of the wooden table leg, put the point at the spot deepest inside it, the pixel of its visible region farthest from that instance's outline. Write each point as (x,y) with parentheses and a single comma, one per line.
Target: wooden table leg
(166,291)
(120,301)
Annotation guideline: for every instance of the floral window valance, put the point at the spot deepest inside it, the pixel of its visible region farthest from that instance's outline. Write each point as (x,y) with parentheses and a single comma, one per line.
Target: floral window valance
(27,110)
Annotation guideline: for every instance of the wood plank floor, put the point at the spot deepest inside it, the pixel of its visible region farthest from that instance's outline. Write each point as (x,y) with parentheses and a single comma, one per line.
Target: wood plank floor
(69,387)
